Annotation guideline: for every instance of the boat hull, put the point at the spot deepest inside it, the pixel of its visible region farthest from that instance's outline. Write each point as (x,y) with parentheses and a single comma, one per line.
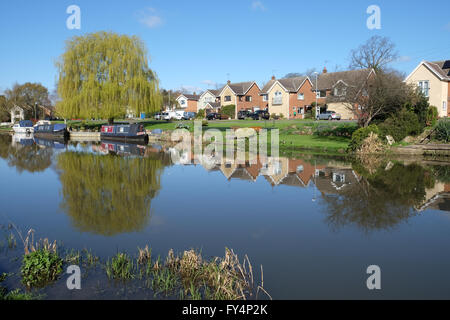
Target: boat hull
(60,136)
(23,129)
(138,139)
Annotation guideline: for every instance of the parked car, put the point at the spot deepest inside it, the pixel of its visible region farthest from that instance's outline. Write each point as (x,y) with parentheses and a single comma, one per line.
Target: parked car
(158,116)
(212,116)
(329,115)
(244,114)
(222,116)
(216,116)
(260,114)
(189,115)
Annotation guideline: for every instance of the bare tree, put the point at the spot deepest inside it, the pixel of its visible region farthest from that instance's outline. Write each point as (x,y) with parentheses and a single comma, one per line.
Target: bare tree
(370,95)
(309,73)
(375,54)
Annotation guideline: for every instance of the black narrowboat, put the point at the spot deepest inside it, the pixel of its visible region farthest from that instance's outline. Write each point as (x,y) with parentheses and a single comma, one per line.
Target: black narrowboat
(56,131)
(131,133)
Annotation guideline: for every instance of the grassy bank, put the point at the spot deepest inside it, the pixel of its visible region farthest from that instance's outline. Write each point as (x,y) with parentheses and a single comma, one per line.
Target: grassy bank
(294,134)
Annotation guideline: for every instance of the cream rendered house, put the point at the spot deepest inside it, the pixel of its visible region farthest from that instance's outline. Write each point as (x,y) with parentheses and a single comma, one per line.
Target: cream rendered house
(285,95)
(433,79)
(277,98)
(207,97)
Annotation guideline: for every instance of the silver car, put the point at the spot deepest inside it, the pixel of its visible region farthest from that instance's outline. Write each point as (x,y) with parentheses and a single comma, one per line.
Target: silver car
(329,115)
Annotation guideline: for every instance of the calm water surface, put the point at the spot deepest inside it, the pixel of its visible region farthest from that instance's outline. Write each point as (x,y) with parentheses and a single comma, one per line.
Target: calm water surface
(314,223)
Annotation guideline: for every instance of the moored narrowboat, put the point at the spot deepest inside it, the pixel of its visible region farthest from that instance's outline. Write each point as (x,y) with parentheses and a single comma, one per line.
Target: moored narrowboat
(131,133)
(56,131)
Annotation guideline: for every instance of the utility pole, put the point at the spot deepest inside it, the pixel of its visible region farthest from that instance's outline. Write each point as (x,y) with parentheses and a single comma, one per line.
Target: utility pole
(317,74)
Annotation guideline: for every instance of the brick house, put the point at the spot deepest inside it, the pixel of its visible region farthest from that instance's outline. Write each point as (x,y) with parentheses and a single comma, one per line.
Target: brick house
(291,97)
(244,95)
(188,102)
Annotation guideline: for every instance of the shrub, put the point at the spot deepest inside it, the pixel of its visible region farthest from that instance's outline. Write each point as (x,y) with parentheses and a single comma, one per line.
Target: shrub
(420,108)
(400,125)
(308,114)
(432,116)
(182,126)
(360,135)
(274,116)
(281,116)
(200,114)
(204,123)
(229,110)
(442,132)
(345,130)
(41,267)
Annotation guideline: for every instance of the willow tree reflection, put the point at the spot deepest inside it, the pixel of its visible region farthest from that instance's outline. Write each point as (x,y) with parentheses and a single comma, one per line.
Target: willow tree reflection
(380,200)
(108,194)
(25,156)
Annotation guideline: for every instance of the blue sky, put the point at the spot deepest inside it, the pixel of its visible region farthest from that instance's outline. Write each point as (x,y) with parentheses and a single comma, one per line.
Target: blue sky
(197,44)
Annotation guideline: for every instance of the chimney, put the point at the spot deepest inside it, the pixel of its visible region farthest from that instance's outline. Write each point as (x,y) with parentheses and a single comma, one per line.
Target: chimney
(273,78)
(325,70)
(229,82)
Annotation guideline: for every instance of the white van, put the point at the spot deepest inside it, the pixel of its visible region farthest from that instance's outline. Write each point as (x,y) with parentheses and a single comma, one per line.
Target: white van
(170,115)
(180,115)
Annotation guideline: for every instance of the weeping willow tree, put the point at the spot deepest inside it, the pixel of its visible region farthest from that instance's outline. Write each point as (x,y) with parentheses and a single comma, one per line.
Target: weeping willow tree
(103,75)
(108,195)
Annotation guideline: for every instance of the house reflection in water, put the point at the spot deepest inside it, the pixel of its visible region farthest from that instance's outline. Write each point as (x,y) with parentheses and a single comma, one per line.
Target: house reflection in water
(331,178)
(437,198)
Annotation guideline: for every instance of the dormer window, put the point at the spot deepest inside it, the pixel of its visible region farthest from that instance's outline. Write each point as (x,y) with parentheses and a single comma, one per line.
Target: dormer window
(340,92)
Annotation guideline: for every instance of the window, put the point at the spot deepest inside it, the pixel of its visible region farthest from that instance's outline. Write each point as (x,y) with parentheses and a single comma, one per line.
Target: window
(278,168)
(227,98)
(182,102)
(278,94)
(444,106)
(248,98)
(300,110)
(338,177)
(321,94)
(339,92)
(265,97)
(301,96)
(424,87)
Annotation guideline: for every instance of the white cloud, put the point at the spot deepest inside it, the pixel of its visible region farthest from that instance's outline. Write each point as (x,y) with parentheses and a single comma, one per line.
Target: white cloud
(190,89)
(149,18)
(403,59)
(209,83)
(258,5)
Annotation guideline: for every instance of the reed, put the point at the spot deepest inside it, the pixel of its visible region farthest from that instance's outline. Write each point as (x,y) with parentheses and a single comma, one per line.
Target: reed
(120,267)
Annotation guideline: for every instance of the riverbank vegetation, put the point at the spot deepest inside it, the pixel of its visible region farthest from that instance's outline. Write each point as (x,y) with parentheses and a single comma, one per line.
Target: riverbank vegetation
(182,276)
